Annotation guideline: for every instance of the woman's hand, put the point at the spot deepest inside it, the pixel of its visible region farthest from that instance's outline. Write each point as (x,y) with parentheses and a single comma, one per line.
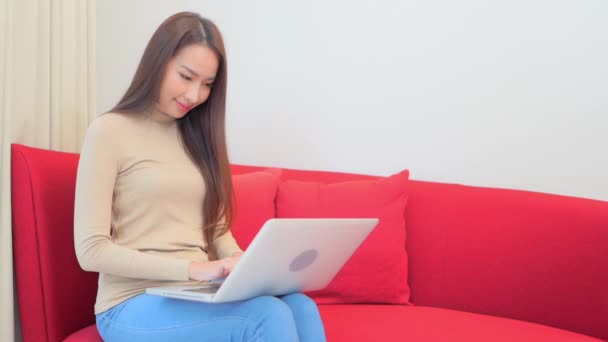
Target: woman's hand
(210,270)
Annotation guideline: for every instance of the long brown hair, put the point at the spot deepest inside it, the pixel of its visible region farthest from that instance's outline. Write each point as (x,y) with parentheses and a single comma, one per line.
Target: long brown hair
(203,128)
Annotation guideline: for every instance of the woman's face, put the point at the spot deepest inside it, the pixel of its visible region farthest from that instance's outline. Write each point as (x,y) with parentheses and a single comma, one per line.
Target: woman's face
(188,79)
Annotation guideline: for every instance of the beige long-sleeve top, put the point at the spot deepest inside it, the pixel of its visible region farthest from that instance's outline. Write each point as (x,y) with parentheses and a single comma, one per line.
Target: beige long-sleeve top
(138,212)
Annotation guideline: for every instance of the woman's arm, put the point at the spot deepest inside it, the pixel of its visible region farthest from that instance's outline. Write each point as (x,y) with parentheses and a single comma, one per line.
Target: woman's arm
(226,246)
(95,250)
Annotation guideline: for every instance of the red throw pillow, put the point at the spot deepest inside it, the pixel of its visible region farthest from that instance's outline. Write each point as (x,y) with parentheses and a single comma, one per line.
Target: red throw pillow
(377,271)
(254,196)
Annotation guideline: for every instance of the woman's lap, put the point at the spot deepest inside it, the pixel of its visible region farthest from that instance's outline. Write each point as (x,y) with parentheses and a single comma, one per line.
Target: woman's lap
(154,318)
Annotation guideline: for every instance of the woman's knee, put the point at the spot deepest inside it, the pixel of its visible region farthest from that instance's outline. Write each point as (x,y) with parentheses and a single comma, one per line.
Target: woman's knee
(276,321)
(300,303)
(274,308)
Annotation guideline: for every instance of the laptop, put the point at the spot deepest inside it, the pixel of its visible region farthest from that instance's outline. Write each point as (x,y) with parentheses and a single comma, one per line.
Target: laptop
(286,256)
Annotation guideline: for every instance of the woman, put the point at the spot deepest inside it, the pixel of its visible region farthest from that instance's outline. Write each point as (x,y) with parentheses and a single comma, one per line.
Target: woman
(153,202)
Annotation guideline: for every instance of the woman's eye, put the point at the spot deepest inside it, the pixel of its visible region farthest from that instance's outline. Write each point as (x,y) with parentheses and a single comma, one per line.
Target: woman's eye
(187,78)
(209,85)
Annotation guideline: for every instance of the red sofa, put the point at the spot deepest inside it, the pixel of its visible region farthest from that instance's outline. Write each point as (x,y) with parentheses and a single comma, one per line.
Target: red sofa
(484,264)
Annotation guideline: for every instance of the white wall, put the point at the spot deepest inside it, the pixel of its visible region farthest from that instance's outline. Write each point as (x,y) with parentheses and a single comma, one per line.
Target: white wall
(506,94)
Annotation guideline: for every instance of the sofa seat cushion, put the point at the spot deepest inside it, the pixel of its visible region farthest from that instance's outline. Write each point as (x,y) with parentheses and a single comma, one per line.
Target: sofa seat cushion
(418,323)
(88,334)
(413,323)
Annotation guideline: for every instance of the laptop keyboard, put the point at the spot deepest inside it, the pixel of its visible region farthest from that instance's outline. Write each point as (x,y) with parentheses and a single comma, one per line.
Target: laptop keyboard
(203,290)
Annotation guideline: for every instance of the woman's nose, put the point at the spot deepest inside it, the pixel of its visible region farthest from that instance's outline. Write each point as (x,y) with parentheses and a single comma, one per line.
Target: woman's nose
(192,95)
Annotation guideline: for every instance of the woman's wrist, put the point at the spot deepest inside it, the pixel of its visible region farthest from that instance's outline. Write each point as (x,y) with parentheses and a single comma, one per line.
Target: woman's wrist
(203,270)
(191,270)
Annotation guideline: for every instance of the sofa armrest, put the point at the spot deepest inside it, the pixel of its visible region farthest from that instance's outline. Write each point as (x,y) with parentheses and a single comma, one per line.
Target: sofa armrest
(55,296)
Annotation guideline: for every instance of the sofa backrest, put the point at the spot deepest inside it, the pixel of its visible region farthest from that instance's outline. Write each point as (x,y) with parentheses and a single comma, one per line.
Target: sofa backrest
(55,296)
(525,255)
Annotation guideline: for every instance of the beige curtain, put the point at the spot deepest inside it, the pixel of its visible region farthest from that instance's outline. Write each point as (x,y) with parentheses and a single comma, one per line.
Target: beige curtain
(47,99)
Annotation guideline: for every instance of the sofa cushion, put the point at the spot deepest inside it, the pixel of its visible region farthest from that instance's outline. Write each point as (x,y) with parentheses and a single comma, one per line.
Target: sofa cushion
(377,271)
(413,323)
(416,323)
(254,195)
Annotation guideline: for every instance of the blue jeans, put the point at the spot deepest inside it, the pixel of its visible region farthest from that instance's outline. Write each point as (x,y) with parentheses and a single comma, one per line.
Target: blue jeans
(294,317)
